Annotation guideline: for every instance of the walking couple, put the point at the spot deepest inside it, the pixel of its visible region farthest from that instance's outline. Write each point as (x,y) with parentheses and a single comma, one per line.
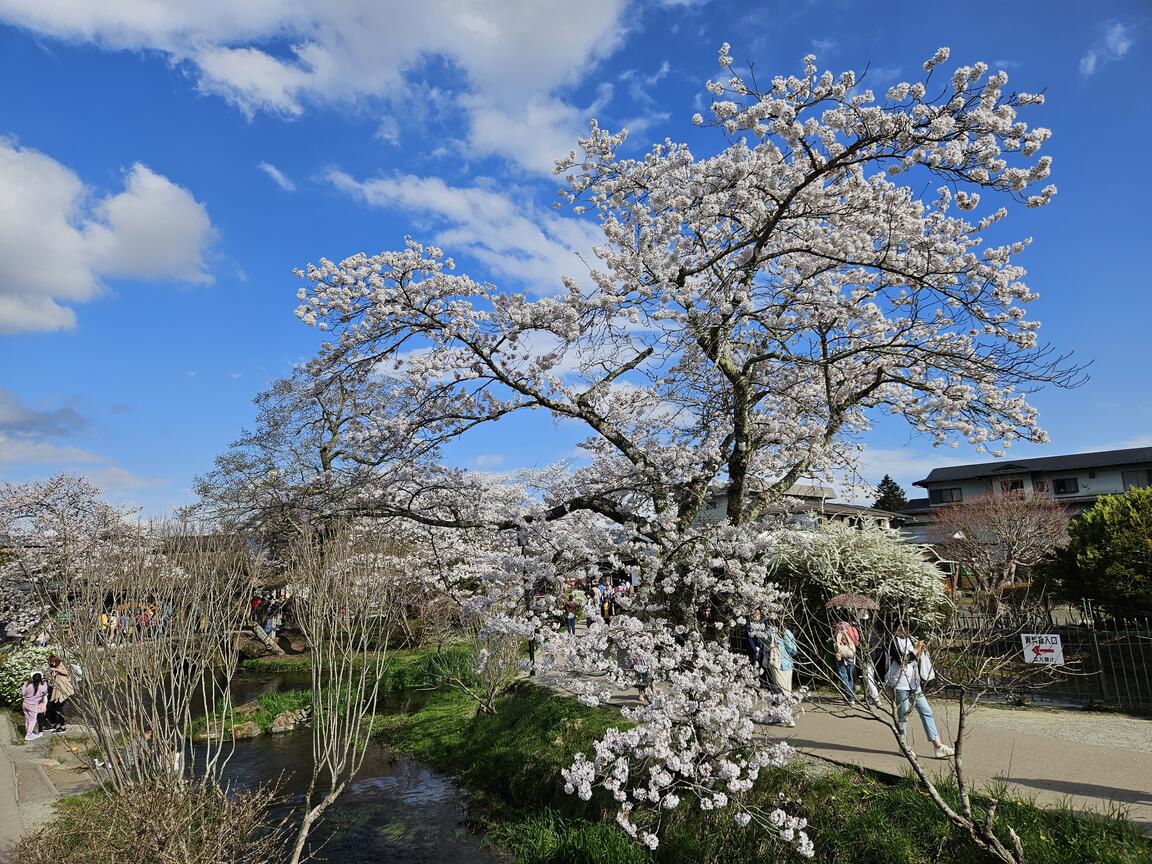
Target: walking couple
(906,667)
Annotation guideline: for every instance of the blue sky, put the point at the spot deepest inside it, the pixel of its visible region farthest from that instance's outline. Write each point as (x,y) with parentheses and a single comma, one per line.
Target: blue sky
(163,169)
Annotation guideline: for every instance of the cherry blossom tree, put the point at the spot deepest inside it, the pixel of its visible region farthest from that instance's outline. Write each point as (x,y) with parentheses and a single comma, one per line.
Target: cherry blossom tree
(48,527)
(291,472)
(749,311)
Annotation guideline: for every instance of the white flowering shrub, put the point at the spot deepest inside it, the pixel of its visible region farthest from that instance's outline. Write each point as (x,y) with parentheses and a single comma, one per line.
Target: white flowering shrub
(16,667)
(836,558)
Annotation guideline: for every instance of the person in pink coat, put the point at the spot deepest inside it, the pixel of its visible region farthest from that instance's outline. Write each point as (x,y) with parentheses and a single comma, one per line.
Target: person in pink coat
(35,694)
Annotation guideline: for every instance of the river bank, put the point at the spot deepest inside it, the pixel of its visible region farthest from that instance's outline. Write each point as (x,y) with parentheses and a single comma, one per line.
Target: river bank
(431,740)
(513,758)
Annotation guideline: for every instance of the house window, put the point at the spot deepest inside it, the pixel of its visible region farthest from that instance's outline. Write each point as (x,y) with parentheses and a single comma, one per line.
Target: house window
(1012,487)
(1136,479)
(945,496)
(1065,486)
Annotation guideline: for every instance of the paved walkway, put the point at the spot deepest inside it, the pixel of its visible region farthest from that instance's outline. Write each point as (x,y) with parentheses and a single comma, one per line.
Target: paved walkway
(1090,760)
(32,776)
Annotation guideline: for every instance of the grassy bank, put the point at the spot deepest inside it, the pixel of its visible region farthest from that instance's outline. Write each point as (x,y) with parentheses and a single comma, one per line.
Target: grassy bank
(512,761)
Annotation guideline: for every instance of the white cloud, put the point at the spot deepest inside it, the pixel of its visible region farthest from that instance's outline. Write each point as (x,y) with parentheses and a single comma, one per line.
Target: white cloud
(25,451)
(823,46)
(19,418)
(510,237)
(486,461)
(510,53)
(59,241)
(1114,44)
(25,431)
(115,477)
(278,177)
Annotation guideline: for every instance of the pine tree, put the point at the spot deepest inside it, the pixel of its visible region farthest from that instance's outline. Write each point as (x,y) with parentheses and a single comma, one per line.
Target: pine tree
(889,495)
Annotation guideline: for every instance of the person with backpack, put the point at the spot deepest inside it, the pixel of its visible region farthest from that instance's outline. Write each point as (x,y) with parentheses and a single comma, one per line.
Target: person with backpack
(845,640)
(908,668)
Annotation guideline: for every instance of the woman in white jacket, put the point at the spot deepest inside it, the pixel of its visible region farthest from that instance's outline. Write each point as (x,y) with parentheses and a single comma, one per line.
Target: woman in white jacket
(904,681)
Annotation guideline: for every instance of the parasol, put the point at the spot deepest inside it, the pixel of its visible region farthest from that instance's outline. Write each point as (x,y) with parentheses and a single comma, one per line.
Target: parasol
(852,601)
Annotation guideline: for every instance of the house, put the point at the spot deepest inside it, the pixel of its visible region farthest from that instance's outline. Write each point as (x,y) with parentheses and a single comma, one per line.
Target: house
(1076,480)
(802,504)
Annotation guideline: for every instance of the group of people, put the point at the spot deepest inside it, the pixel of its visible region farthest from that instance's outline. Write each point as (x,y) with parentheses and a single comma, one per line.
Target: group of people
(601,600)
(902,662)
(772,650)
(131,620)
(268,610)
(45,699)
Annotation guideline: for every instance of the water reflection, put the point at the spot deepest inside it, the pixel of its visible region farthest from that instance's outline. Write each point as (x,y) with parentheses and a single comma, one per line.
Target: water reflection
(396,810)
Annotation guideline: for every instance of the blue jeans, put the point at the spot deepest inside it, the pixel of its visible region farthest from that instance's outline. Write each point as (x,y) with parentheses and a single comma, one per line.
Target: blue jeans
(570,622)
(846,671)
(905,699)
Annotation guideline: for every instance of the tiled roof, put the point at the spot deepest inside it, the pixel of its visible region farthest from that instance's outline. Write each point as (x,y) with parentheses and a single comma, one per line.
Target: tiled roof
(1073,462)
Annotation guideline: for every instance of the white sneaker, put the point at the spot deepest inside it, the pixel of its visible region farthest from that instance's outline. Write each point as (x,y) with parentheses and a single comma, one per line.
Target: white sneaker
(944,751)
(33,736)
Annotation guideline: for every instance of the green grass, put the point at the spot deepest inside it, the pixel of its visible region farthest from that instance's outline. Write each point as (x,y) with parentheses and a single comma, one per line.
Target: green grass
(268,705)
(513,760)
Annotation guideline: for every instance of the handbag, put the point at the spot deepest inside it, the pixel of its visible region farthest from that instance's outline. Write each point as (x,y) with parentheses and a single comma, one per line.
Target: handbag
(926,669)
(845,650)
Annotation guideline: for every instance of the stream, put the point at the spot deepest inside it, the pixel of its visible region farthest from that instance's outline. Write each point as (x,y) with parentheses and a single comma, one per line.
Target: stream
(396,810)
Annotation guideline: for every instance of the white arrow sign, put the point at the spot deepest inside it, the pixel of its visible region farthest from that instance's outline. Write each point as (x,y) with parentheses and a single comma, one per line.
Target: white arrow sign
(1043,648)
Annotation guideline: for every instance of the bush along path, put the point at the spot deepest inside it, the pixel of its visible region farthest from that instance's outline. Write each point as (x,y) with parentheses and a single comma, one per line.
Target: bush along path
(512,761)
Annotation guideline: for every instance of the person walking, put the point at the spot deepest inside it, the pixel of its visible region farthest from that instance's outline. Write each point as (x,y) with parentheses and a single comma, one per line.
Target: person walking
(571,607)
(34,695)
(876,664)
(905,682)
(756,637)
(846,639)
(781,656)
(62,689)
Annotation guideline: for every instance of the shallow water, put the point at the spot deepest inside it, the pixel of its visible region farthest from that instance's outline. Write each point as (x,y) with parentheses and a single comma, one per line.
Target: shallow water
(396,810)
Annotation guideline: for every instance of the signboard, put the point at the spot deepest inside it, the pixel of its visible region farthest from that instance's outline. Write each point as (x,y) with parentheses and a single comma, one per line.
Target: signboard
(1043,648)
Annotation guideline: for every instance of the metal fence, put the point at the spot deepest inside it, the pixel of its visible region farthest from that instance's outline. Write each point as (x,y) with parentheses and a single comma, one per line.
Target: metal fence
(1107,660)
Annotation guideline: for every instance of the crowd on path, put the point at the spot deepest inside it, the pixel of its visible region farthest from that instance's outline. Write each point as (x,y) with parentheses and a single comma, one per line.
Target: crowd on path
(270,611)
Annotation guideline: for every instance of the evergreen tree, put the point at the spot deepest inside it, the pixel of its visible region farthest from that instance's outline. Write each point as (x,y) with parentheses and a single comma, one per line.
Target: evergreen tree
(889,495)
(1109,554)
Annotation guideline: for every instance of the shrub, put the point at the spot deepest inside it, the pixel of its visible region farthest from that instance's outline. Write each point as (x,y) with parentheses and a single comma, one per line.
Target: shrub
(167,823)
(15,668)
(1109,553)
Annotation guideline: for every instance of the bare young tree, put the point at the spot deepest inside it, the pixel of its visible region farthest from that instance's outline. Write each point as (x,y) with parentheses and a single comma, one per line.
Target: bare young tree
(480,663)
(344,608)
(201,823)
(899,651)
(150,625)
(999,536)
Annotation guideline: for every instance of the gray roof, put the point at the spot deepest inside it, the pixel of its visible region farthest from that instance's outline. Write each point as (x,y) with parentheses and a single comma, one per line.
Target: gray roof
(916,505)
(1073,462)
